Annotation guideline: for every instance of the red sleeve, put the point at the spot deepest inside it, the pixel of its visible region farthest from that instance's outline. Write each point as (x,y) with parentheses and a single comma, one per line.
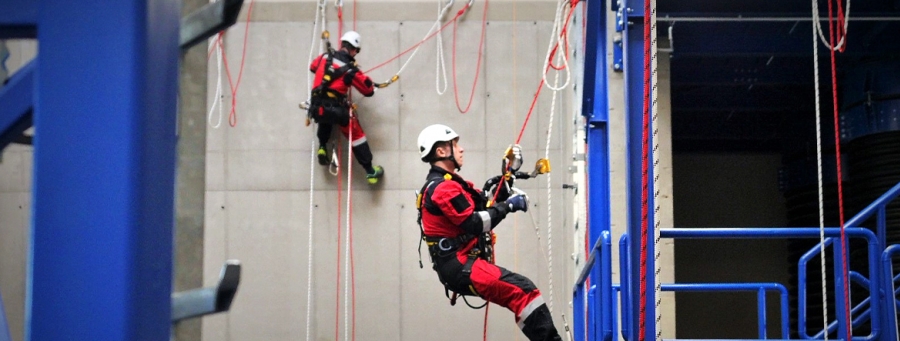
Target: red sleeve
(453,202)
(315,63)
(363,84)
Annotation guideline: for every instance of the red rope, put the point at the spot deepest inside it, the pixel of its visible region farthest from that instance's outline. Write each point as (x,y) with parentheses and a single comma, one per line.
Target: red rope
(645,188)
(340,15)
(354,15)
(832,39)
(451,21)
(477,64)
(234,86)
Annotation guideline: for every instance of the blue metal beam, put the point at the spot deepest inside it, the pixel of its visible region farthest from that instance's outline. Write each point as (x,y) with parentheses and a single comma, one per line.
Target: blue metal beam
(104,156)
(17,104)
(595,109)
(18,19)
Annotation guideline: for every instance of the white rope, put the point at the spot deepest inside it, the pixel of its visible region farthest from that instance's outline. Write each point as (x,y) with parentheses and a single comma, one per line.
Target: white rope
(549,197)
(320,13)
(818,26)
(217,99)
(347,235)
(654,125)
(555,41)
(437,23)
(309,245)
(440,68)
(819,169)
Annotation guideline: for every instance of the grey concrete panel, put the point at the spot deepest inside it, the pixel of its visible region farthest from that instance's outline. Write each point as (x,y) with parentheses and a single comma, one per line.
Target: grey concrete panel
(381,10)
(272,84)
(379,115)
(14,173)
(266,170)
(266,231)
(376,228)
(514,59)
(214,255)
(15,211)
(215,171)
(420,104)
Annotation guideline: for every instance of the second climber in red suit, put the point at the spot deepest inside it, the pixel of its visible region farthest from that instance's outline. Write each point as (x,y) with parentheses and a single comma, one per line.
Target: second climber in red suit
(453,215)
(335,74)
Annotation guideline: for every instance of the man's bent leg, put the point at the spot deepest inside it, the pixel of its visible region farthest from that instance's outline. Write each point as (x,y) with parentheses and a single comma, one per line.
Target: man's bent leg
(518,294)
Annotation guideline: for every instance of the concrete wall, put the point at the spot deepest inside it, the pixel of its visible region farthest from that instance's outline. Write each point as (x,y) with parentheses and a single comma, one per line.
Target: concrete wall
(258,177)
(15,210)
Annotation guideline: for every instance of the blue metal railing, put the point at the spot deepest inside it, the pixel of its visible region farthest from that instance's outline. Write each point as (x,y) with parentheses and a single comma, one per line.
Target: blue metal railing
(599,320)
(759,288)
(804,232)
(891,312)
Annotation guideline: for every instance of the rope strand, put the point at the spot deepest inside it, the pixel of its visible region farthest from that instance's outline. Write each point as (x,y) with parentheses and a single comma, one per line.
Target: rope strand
(309,244)
(819,175)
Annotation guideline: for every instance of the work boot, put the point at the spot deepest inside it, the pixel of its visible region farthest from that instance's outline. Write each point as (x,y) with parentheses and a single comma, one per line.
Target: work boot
(322,154)
(375,175)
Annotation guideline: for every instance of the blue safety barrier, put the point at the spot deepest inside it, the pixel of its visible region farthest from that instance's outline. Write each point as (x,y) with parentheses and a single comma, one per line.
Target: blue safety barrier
(594,309)
(891,309)
(804,232)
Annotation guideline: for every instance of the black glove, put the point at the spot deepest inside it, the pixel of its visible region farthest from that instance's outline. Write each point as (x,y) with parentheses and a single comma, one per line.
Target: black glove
(491,185)
(518,201)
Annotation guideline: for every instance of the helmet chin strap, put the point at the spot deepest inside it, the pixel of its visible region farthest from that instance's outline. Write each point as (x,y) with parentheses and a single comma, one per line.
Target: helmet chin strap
(452,157)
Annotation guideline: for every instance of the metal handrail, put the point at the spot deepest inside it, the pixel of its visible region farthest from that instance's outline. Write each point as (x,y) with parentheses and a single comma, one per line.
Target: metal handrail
(887,263)
(802,232)
(602,317)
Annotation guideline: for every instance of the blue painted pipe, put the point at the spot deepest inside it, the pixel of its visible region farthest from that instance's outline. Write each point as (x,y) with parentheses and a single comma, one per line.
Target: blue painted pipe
(888,268)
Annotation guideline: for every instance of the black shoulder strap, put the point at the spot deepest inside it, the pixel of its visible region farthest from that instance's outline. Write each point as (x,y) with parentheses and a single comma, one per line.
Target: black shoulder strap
(421,196)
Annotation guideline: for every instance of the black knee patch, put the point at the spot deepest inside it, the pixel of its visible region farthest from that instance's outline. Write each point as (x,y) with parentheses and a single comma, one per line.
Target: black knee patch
(516,279)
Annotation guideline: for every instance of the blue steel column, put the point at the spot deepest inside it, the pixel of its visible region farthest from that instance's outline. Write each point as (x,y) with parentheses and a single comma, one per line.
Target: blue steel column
(633,40)
(104,155)
(595,109)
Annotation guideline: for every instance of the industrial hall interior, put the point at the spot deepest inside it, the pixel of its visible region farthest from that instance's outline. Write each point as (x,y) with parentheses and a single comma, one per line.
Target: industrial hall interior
(379,170)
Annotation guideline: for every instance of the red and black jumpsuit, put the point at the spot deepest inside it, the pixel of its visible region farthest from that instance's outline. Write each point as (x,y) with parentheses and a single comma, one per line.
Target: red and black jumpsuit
(355,78)
(453,214)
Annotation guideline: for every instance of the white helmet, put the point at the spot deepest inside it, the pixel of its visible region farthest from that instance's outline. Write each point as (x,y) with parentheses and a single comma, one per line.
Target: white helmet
(351,37)
(433,134)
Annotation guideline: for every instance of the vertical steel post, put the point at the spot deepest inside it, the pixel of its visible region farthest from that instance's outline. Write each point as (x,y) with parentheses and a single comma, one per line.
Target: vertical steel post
(839,301)
(595,108)
(633,41)
(104,155)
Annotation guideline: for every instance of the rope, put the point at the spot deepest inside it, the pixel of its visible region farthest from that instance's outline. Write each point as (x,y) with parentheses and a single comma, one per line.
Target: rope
(558,35)
(337,304)
(347,283)
(654,109)
(819,170)
(437,22)
(549,199)
(843,22)
(837,148)
(217,99)
(644,170)
(232,116)
(477,64)
(309,244)
(458,14)
(440,68)
(320,13)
